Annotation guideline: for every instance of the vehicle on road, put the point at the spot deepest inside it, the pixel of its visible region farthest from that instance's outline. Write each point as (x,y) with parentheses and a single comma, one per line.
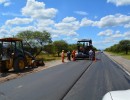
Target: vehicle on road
(83,48)
(13,55)
(117,95)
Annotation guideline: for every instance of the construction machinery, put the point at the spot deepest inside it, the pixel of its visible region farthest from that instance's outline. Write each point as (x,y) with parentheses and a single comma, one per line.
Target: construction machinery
(13,56)
(83,48)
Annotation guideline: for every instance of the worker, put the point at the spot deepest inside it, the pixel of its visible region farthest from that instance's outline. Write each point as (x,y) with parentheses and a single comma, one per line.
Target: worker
(90,54)
(62,55)
(68,55)
(73,54)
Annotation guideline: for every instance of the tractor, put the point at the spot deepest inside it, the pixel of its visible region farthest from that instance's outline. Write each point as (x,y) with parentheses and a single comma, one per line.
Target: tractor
(13,56)
(83,47)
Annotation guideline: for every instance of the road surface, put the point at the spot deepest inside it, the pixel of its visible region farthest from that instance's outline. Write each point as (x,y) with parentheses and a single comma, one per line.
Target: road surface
(79,80)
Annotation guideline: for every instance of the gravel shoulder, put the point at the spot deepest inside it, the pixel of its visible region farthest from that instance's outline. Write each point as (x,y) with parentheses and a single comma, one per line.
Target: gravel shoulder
(125,63)
(12,75)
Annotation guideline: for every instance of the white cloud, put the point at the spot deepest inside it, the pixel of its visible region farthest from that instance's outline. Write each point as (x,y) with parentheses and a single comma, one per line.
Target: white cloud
(68,23)
(117,35)
(127,25)
(5,2)
(106,33)
(3,31)
(127,35)
(81,13)
(112,20)
(111,34)
(70,39)
(68,26)
(18,29)
(75,39)
(109,40)
(119,2)
(10,14)
(113,38)
(69,19)
(45,25)
(95,17)
(54,36)
(18,21)
(72,33)
(37,10)
(86,22)
(40,18)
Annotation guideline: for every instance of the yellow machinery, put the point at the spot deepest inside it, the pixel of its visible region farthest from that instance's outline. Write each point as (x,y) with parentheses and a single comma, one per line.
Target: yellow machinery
(13,55)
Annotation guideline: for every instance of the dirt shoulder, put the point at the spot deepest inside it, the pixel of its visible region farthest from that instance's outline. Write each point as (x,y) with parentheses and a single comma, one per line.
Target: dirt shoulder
(12,75)
(125,63)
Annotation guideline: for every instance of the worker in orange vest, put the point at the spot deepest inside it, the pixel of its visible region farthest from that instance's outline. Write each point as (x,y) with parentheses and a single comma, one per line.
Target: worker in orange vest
(62,55)
(73,55)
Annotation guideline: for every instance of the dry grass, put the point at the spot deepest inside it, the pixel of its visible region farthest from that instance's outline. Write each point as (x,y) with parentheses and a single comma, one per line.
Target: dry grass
(48,57)
(121,54)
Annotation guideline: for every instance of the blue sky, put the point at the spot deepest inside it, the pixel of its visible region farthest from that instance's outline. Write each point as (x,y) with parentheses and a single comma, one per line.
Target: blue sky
(106,22)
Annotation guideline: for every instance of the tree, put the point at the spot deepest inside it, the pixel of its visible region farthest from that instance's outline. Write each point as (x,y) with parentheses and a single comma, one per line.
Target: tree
(34,39)
(43,37)
(25,35)
(124,45)
(49,48)
(94,48)
(60,45)
(72,47)
(36,36)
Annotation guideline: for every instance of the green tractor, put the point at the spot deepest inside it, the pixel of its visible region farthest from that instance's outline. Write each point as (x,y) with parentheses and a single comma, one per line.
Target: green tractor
(13,56)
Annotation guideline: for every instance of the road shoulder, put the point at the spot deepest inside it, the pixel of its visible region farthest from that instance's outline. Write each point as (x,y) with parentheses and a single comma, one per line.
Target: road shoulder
(12,75)
(125,64)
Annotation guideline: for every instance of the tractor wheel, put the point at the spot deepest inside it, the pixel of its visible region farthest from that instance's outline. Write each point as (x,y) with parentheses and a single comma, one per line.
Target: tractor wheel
(40,62)
(3,68)
(19,64)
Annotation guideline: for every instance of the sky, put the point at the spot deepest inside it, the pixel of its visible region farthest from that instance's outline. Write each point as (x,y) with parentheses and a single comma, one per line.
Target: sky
(106,22)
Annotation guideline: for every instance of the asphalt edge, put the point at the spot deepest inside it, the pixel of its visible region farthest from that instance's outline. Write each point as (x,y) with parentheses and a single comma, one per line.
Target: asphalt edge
(120,65)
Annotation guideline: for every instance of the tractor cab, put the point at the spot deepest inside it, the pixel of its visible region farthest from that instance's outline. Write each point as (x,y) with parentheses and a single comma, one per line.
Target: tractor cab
(11,47)
(12,54)
(83,47)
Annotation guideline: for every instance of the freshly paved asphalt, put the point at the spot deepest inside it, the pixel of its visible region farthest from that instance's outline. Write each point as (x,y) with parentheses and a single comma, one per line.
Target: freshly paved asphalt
(80,80)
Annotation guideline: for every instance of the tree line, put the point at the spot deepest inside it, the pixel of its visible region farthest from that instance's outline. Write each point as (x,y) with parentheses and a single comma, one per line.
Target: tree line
(122,47)
(34,40)
(37,39)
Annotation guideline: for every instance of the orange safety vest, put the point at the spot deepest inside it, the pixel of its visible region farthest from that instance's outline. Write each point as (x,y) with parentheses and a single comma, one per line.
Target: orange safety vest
(73,53)
(62,54)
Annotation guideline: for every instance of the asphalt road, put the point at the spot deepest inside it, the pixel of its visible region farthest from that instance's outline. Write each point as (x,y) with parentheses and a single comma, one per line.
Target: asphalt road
(80,80)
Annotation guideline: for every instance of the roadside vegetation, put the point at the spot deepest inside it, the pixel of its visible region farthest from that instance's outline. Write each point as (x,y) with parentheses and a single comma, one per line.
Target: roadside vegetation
(35,41)
(120,49)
